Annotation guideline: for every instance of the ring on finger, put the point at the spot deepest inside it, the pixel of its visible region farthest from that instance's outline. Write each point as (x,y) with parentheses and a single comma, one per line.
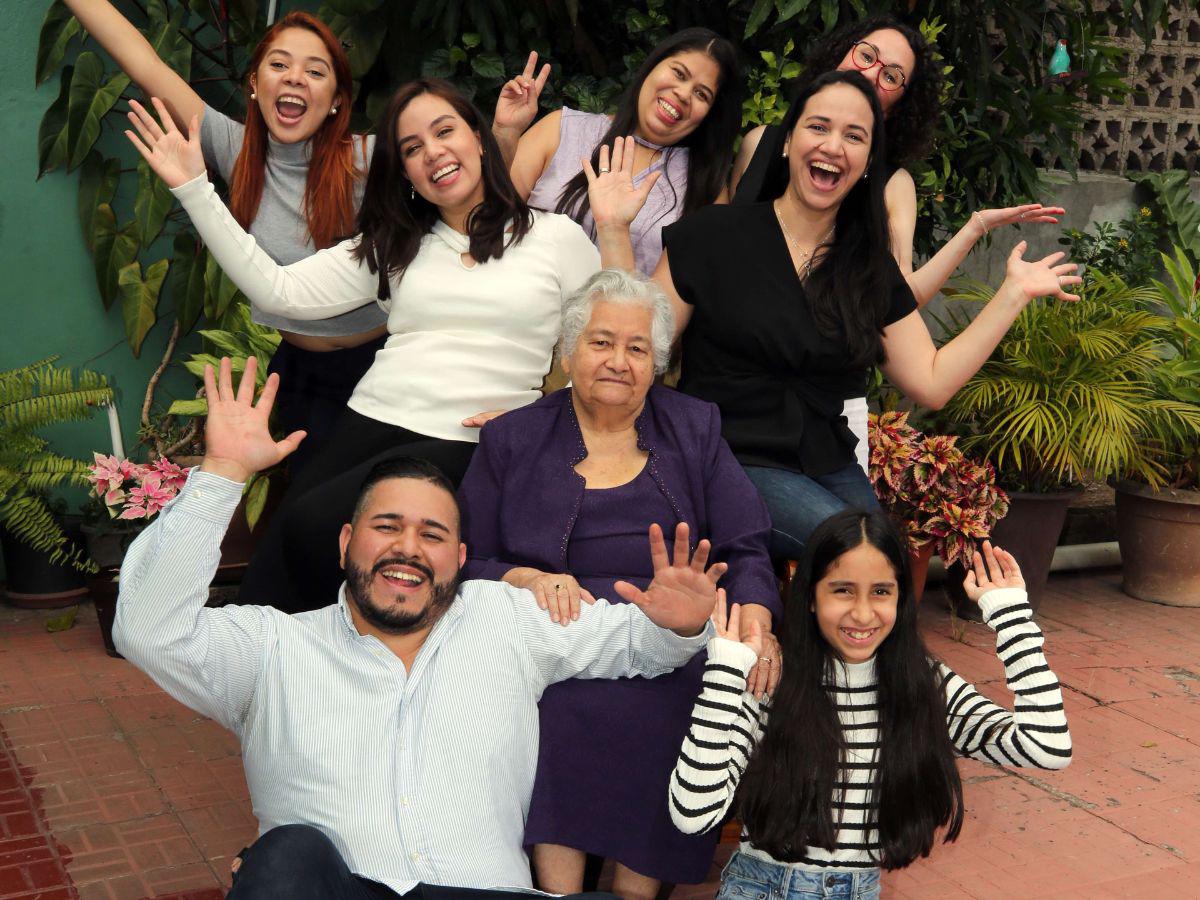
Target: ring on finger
(603,170)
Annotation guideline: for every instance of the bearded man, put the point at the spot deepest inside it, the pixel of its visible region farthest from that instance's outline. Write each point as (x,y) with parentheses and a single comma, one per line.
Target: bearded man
(389,739)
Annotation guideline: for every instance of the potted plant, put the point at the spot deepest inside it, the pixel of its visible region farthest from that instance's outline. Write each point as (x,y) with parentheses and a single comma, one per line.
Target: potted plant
(943,500)
(42,563)
(1067,395)
(1158,510)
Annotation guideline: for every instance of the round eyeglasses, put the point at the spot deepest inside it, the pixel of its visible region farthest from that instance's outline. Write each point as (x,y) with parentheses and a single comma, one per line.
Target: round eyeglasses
(865,55)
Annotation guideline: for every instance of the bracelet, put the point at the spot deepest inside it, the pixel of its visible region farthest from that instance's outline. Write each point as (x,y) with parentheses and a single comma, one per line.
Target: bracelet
(982,224)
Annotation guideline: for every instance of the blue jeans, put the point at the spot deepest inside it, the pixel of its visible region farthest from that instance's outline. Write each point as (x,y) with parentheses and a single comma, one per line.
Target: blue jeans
(798,503)
(750,878)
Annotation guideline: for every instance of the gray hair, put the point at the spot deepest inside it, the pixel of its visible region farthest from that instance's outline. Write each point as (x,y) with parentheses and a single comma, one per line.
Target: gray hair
(617,286)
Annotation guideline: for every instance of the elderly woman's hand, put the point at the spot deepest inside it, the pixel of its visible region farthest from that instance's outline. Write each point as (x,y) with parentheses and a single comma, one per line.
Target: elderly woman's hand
(560,594)
(764,677)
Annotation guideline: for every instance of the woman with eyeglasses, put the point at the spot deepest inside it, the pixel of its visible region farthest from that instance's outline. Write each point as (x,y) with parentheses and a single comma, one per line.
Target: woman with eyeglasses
(898,61)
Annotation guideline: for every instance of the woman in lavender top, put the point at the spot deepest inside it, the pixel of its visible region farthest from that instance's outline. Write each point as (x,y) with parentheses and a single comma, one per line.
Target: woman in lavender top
(683,110)
(558,499)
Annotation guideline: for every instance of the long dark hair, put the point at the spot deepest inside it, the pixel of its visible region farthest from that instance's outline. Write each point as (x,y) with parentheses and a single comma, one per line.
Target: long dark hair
(786,796)
(911,122)
(849,292)
(710,146)
(391,221)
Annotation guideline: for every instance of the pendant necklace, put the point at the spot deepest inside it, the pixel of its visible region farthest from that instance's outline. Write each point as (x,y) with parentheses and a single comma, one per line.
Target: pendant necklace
(804,269)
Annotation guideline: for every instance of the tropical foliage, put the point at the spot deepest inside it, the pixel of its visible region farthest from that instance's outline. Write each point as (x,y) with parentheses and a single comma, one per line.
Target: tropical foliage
(1178,376)
(1070,393)
(1128,248)
(32,397)
(938,495)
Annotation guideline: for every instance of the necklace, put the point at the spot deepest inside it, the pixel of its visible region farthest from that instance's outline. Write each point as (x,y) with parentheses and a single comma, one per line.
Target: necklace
(804,269)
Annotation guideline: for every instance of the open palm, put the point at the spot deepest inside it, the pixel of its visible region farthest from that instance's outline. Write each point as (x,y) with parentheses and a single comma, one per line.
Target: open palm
(237,434)
(1045,277)
(176,159)
(612,195)
(683,593)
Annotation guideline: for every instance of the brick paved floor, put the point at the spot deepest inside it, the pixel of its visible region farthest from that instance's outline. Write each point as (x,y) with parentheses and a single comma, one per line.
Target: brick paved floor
(109,789)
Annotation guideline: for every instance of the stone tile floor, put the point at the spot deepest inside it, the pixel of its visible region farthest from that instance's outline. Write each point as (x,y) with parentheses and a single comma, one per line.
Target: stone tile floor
(109,789)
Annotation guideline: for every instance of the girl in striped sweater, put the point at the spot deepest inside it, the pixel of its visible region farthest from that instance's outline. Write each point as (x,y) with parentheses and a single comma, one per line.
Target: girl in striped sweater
(856,771)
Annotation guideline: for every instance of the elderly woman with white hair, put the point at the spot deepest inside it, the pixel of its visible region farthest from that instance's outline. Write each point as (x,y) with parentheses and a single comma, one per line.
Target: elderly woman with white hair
(558,499)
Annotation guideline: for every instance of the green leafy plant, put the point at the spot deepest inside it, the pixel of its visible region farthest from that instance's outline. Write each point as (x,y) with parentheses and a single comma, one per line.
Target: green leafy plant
(1178,376)
(32,397)
(1128,248)
(1070,393)
(1172,195)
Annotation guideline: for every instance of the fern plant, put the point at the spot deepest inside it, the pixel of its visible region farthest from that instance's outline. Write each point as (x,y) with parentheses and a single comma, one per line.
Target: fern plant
(31,397)
(1070,393)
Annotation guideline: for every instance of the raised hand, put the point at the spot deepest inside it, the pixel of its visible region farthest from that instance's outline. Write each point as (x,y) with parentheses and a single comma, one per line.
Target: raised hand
(518,103)
(993,568)
(237,438)
(1045,277)
(727,621)
(683,593)
(176,159)
(1029,214)
(612,196)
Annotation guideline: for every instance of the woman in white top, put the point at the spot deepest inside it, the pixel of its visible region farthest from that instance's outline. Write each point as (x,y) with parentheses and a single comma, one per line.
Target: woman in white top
(295,174)
(472,281)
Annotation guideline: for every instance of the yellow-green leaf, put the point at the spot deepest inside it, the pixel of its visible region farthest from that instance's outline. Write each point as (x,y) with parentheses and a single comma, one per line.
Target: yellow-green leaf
(97,185)
(197,407)
(256,499)
(139,300)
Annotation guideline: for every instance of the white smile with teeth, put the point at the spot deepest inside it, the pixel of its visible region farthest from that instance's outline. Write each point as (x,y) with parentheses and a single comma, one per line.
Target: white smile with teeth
(291,98)
(859,635)
(402,576)
(669,109)
(444,171)
(826,167)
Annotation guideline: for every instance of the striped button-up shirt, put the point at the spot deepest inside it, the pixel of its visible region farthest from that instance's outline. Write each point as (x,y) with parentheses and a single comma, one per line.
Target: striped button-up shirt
(416,776)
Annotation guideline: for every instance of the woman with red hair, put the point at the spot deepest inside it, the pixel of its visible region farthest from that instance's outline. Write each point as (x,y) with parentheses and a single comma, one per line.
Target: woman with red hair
(295,174)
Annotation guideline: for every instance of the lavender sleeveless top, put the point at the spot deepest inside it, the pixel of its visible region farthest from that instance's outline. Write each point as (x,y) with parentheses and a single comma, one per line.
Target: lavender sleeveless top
(578,136)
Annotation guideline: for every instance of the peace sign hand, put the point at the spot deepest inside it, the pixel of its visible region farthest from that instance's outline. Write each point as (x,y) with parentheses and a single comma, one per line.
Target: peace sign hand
(683,593)
(518,103)
(614,200)
(175,158)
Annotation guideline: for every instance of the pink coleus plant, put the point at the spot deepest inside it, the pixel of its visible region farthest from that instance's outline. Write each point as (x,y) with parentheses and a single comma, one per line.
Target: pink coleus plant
(135,490)
(936,494)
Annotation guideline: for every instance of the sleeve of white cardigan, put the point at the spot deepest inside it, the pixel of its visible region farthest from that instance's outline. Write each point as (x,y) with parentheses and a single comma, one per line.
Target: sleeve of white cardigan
(727,723)
(1035,732)
(328,283)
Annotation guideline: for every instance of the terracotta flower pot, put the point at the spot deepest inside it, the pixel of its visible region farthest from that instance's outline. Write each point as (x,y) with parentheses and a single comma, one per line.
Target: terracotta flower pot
(919,560)
(1159,536)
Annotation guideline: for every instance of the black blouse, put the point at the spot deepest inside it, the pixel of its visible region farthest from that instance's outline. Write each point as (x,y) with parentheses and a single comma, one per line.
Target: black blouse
(752,346)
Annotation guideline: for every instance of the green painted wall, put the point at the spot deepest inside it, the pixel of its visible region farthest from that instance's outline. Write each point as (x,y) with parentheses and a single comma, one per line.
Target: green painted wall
(49,303)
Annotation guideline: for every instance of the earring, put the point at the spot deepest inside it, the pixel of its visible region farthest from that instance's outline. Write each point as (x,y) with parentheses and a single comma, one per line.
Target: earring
(865,174)
(412,192)
(253,95)
(785,151)
(333,110)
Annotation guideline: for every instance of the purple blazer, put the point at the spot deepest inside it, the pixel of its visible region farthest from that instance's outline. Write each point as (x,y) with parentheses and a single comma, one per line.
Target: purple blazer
(521,494)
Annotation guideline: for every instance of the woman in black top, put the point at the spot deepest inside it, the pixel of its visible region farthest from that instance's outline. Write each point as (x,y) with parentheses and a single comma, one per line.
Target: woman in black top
(791,301)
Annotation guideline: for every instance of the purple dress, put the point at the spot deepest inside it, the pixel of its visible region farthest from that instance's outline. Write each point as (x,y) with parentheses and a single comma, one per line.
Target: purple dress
(578,136)
(607,748)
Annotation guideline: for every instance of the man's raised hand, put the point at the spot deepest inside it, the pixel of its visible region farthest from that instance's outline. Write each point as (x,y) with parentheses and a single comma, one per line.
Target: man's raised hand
(237,437)
(683,593)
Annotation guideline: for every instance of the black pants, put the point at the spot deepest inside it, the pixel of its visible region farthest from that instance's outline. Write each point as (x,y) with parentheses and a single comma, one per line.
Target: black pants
(295,567)
(298,862)
(313,391)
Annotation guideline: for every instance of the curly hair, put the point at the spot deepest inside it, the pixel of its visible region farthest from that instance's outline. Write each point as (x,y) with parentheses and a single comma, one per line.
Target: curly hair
(911,122)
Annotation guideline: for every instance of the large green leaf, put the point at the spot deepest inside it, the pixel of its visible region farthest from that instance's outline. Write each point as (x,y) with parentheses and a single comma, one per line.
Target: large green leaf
(164,32)
(58,28)
(219,290)
(154,200)
(363,34)
(139,300)
(92,95)
(113,249)
(187,268)
(256,498)
(52,132)
(97,185)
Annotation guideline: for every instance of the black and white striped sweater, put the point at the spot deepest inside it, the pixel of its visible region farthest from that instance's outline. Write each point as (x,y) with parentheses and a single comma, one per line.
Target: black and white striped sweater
(725,729)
